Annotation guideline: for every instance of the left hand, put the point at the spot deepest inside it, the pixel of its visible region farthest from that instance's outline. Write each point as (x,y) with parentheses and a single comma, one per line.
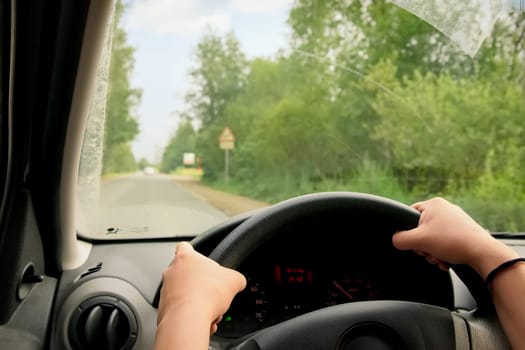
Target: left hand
(196,282)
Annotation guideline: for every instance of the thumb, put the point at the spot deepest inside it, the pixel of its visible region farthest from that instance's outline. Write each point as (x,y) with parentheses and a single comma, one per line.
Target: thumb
(407,240)
(240,281)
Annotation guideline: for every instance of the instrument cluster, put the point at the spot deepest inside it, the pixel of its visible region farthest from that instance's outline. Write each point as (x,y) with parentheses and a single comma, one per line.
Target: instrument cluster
(291,277)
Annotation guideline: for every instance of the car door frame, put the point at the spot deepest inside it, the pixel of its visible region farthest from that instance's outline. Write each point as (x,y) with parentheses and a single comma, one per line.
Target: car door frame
(47,76)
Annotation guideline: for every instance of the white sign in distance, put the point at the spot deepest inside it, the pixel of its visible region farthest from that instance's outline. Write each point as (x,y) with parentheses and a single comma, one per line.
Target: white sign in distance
(188,158)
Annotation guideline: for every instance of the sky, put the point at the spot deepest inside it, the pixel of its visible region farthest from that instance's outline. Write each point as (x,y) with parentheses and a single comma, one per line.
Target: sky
(164,34)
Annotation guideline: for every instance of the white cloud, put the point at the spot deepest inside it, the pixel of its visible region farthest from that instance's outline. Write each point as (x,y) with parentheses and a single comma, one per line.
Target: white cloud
(191,17)
(260,6)
(175,17)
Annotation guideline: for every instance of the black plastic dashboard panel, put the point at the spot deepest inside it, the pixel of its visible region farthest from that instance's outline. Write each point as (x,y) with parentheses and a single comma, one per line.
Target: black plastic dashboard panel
(129,273)
(138,263)
(122,292)
(321,262)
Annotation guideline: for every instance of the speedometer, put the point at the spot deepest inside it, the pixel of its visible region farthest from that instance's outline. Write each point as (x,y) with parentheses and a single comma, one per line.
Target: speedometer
(350,287)
(248,311)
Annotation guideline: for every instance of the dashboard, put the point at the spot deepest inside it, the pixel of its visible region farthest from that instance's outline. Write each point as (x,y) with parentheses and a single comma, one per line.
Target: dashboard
(314,263)
(312,266)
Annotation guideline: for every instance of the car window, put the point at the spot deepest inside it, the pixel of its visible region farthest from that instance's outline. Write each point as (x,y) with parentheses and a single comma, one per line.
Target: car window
(207,110)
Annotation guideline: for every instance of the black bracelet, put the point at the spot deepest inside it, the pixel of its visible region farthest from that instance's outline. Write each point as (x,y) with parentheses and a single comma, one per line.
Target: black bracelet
(500,268)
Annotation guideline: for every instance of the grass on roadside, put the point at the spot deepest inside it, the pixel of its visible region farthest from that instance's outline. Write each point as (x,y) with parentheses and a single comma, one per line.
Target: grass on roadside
(191,172)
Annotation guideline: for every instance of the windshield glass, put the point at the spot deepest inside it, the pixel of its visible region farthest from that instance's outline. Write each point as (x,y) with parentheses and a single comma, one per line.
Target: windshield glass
(209,109)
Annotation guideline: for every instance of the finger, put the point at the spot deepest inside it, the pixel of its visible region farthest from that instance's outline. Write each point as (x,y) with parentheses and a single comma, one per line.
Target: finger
(407,240)
(432,260)
(237,278)
(215,325)
(242,282)
(443,266)
(436,261)
(213,328)
(420,206)
(183,247)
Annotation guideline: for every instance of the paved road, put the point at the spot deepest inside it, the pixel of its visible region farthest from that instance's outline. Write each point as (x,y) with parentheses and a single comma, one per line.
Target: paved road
(150,205)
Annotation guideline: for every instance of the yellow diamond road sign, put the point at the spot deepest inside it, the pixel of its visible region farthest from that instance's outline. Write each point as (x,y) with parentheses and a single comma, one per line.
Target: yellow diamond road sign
(226,140)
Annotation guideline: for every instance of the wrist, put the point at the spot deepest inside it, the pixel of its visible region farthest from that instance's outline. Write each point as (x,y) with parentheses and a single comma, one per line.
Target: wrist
(183,328)
(189,309)
(490,254)
(500,269)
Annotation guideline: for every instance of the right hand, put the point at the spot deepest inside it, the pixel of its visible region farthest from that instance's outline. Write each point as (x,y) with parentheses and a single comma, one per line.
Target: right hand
(448,235)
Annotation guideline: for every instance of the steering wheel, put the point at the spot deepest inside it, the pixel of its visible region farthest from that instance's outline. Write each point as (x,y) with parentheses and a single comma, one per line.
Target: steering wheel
(381,325)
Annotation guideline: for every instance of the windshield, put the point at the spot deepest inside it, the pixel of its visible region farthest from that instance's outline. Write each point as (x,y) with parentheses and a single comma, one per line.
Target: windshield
(216,108)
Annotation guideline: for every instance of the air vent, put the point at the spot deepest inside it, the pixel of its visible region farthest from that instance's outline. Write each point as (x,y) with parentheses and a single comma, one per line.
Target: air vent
(103,323)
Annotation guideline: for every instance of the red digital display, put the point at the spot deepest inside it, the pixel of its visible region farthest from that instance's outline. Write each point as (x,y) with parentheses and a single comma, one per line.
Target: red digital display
(293,275)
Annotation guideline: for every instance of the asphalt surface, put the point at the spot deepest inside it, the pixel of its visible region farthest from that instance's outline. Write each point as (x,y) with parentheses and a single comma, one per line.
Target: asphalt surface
(150,205)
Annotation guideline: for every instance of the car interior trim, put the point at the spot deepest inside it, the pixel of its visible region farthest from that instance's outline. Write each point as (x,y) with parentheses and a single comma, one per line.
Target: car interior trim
(73,253)
(144,313)
(7,135)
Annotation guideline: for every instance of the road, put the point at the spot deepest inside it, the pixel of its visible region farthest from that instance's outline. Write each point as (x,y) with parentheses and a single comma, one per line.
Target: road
(151,205)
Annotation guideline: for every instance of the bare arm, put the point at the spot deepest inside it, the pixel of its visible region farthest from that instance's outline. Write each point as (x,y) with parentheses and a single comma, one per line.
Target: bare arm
(446,234)
(196,293)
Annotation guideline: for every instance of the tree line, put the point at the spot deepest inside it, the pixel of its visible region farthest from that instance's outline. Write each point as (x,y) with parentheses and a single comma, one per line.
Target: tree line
(367,97)
(121,126)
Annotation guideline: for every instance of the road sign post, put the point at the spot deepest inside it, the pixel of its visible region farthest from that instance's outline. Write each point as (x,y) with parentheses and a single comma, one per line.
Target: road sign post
(226,166)
(226,142)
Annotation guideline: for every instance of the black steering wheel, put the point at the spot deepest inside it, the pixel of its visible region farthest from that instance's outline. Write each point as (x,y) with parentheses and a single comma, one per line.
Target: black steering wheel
(381,325)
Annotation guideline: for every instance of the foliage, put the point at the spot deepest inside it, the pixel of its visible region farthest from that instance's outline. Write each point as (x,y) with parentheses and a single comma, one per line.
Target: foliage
(183,141)
(368,98)
(122,159)
(218,78)
(121,125)
(142,163)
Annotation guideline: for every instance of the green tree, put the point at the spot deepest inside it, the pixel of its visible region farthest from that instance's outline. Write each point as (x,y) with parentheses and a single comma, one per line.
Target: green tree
(121,124)
(258,97)
(183,141)
(396,81)
(122,159)
(218,78)
(359,34)
(438,127)
(369,96)
(142,163)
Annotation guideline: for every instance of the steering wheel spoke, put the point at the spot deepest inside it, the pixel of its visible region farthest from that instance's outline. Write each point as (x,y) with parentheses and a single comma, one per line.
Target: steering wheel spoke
(381,325)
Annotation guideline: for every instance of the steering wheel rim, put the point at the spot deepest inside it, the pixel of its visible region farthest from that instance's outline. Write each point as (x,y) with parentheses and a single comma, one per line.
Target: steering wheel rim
(263,226)
(354,325)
